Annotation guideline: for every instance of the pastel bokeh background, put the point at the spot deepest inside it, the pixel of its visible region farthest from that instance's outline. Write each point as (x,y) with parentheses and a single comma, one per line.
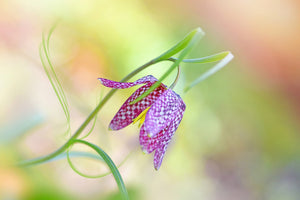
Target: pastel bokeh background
(239,138)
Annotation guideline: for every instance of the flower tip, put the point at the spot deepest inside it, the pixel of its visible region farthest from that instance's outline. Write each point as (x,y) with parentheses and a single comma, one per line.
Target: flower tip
(100,80)
(199,30)
(110,128)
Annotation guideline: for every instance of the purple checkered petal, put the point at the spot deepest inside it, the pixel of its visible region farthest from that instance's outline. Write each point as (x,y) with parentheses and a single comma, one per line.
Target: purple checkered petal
(165,140)
(147,143)
(123,85)
(128,112)
(159,155)
(162,112)
(165,137)
(160,141)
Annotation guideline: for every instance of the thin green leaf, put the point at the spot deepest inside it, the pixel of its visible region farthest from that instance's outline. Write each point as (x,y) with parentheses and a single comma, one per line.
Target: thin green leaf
(76,154)
(49,35)
(82,174)
(211,71)
(61,94)
(61,156)
(110,164)
(195,39)
(70,154)
(207,59)
(180,45)
(50,72)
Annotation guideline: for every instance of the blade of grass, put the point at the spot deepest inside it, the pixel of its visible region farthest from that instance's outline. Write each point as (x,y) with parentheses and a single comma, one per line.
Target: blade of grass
(110,164)
(180,45)
(51,74)
(49,35)
(70,154)
(211,71)
(206,59)
(80,173)
(76,154)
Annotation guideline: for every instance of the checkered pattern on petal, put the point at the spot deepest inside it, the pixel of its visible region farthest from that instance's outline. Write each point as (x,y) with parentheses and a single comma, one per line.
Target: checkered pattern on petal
(149,144)
(162,119)
(159,156)
(162,112)
(160,141)
(123,85)
(128,112)
(164,139)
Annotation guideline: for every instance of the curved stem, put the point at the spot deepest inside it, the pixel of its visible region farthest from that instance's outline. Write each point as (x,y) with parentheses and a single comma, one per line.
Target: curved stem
(176,79)
(87,121)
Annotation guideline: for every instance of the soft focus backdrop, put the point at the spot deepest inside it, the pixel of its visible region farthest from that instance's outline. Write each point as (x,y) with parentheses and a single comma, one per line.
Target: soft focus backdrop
(239,138)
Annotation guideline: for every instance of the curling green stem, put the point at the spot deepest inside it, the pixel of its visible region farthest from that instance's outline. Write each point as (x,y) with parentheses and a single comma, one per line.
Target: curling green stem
(185,45)
(176,79)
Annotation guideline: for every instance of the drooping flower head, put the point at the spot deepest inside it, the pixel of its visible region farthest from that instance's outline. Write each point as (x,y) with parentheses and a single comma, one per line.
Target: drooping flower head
(160,113)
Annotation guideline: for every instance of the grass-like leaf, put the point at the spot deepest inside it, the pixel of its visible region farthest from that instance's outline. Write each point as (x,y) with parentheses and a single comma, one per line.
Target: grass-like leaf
(206,59)
(226,59)
(114,170)
(80,173)
(180,45)
(75,154)
(71,154)
(52,77)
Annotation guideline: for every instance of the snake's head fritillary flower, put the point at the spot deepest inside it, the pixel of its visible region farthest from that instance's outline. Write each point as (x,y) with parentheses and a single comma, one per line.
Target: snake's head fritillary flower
(159,113)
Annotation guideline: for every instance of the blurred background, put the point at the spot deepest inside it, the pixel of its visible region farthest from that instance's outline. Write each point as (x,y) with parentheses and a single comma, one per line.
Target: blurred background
(239,138)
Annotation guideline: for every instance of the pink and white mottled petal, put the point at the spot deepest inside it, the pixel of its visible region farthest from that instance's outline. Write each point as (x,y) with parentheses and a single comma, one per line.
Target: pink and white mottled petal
(123,85)
(128,112)
(159,155)
(162,112)
(148,144)
(146,79)
(163,138)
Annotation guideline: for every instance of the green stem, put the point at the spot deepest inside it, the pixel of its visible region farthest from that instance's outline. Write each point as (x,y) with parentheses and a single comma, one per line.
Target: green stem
(176,79)
(87,121)
(185,45)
